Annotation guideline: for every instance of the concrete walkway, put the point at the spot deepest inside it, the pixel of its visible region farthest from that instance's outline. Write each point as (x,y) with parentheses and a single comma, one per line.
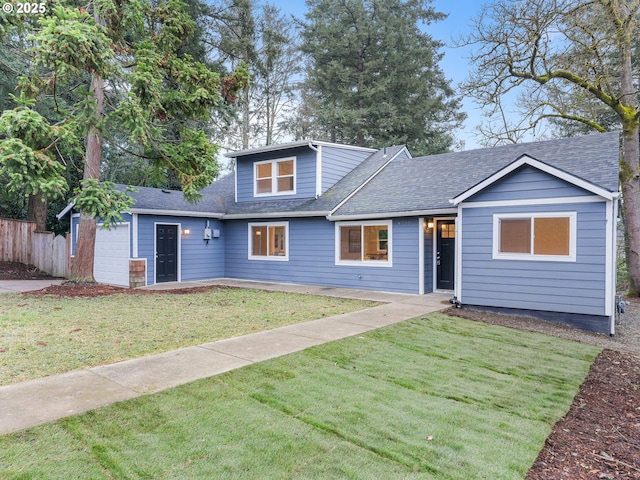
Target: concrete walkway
(34,402)
(17,286)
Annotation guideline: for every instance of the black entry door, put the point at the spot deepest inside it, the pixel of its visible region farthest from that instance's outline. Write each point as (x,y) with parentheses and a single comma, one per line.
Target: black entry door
(166,253)
(445,254)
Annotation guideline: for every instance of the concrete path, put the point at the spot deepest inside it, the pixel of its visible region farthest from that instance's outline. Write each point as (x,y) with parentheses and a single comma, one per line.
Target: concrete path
(34,402)
(16,286)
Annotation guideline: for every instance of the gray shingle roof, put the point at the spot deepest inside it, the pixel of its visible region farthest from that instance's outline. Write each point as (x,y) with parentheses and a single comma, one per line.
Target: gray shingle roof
(406,184)
(427,183)
(214,198)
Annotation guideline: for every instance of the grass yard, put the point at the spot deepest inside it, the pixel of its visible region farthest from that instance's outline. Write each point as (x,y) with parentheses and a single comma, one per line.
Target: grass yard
(41,336)
(429,398)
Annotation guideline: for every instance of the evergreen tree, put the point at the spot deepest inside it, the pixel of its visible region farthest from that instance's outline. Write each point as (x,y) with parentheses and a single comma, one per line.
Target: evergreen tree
(373,75)
(140,88)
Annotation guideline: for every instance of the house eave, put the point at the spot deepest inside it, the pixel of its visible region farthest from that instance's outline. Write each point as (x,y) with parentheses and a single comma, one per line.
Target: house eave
(301,143)
(527,160)
(381,215)
(176,213)
(248,216)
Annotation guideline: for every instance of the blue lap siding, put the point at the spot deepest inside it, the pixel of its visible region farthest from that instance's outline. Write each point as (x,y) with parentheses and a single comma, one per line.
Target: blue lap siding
(312,257)
(199,259)
(576,287)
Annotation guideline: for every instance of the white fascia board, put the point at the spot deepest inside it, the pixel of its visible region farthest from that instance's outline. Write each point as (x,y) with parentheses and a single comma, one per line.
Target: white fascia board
(412,213)
(66,210)
(301,143)
(245,216)
(526,160)
(175,213)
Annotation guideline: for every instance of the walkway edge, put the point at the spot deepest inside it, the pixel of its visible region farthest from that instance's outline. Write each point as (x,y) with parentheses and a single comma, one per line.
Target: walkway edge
(34,402)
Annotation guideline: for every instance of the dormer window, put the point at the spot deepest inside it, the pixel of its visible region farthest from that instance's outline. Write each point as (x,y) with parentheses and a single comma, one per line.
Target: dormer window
(275,177)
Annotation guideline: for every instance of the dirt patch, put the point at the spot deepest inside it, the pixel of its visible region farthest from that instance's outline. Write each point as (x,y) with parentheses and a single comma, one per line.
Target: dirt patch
(20,271)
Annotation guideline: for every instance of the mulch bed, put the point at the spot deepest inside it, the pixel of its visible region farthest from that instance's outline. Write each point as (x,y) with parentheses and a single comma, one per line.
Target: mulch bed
(20,271)
(599,438)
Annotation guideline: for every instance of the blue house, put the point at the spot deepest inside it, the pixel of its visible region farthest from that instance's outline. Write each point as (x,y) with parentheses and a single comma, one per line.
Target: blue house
(528,228)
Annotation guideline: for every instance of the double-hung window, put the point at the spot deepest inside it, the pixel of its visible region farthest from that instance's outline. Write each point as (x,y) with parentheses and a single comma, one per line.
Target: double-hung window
(366,243)
(535,236)
(269,241)
(275,177)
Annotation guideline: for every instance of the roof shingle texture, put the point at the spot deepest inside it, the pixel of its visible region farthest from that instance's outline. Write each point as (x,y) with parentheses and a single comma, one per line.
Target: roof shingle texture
(428,183)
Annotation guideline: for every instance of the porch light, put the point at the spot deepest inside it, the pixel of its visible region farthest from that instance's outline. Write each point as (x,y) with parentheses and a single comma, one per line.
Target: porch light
(186,231)
(430,225)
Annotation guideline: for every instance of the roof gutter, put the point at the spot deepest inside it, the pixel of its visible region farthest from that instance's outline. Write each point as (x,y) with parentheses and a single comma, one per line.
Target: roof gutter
(177,213)
(297,214)
(412,213)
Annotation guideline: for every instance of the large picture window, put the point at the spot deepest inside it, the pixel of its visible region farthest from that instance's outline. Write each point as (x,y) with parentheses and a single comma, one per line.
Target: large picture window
(363,243)
(275,177)
(268,241)
(540,236)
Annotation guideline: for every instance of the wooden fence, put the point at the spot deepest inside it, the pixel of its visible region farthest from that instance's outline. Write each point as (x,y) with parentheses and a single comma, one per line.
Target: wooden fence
(19,242)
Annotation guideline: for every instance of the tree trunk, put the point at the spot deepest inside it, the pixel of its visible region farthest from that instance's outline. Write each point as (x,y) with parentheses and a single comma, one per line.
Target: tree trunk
(630,161)
(37,211)
(82,267)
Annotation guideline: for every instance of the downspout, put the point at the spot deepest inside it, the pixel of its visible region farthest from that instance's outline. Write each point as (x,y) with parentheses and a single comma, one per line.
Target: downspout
(318,151)
(614,260)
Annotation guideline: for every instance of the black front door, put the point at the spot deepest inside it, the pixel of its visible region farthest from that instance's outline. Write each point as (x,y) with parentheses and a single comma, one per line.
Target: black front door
(445,254)
(166,253)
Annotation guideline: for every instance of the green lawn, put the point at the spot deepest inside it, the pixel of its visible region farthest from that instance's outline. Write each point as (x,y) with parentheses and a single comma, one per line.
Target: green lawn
(42,336)
(431,397)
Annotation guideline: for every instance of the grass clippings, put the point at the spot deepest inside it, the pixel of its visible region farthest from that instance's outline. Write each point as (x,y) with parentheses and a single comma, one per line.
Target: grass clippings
(429,398)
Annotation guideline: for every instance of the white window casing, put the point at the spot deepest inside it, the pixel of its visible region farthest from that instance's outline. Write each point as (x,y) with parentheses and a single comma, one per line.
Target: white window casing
(531,255)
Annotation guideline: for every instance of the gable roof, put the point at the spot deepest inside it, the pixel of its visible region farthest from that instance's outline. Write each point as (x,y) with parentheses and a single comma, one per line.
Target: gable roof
(391,183)
(426,184)
(526,160)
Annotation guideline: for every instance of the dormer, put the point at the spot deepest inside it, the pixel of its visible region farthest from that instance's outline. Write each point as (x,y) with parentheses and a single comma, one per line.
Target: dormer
(296,170)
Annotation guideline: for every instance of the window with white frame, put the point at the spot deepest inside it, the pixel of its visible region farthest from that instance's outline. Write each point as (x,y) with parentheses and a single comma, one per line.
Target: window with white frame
(275,177)
(535,236)
(363,243)
(269,241)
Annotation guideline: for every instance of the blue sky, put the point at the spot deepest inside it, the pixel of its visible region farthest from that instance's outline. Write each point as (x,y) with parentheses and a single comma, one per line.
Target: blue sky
(454,64)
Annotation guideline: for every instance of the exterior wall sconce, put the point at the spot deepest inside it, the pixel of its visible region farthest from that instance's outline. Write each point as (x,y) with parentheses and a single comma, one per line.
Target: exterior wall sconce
(430,225)
(186,231)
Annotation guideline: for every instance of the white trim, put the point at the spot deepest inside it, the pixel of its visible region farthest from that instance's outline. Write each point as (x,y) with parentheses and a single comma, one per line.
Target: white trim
(366,182)
(178,254)
(274,177)
(383,215)
(285,146)
(134,239)
(235,180)
(526,160)
(435,251)
(421,233)
(573,234)
(294,214)
(176,213)
(66,210)
(318,169)
(269,258)
(614,256)
(364,263)
(609,260)
(533,201)
(458,270)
